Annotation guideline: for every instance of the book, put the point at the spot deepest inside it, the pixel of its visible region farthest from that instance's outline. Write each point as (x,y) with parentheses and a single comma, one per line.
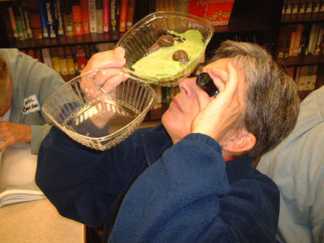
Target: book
(26,18)
(306,79)
(67,17)
(17,173)
(77,18)
(85,16)
(313,37)
(13,22)
(130,13)
(50,19)
(217,11)
(46,57)
(113,16)
(59,11)
(20,24)
(296,40)
(99,16)
(92,16)
(35,25)
(106,15)
(123,15)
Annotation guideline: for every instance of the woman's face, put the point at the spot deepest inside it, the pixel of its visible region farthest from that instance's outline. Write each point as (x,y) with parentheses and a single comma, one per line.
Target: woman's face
(191,100)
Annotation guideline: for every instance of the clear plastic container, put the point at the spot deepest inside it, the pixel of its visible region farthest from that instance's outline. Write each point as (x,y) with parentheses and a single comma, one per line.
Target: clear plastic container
(102,122)
(138,40)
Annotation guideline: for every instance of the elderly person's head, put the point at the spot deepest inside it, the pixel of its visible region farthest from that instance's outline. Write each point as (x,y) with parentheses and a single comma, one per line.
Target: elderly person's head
(5,87)
(268,93)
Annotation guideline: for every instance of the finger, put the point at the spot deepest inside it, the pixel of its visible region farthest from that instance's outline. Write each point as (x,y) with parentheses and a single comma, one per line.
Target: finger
(219,77)
(114,82)
(103,76)
(110,59)
(106,59)
(88,87)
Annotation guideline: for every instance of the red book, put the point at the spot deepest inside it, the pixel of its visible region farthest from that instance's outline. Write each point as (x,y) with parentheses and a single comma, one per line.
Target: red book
(106,15)
(77,20)
(217,11)
(123,15)
(130,13)
(35,25)
(85,16)
(80,58)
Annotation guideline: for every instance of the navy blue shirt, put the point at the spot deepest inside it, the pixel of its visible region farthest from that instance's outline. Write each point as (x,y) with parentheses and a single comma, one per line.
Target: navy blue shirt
(174,193)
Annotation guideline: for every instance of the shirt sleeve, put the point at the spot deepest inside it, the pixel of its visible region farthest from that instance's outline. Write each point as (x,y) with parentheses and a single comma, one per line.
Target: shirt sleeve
(186,197)
(31,77)
(83,184)
(41,80)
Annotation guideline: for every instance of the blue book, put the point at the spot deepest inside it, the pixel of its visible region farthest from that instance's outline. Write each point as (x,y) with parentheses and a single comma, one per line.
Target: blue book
(43,17)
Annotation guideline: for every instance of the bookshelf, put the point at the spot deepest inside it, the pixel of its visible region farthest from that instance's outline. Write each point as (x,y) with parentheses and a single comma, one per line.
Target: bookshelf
(251,20)
(301,43)
(66,41)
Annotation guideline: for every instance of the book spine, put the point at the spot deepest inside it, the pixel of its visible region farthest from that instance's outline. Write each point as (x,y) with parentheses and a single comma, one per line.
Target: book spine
(99,16)
(81,59)
(46,57)
(113,22)
(20,24)
(13,22)
(106,15)
(50,21)
(35,24)
(69,62)
(130,15)
(76,18)
(62,61)
(23,23)
(55,60)
(92,16)
(60,25)
(117,14)
(27,21)
(123,15)
(68,24)
(85,16)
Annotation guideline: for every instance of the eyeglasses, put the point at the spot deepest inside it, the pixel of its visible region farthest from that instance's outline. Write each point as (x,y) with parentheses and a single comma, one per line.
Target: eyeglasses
(206,83)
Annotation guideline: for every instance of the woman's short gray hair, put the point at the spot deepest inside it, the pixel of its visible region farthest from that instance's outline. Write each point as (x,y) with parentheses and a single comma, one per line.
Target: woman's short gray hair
(272,102)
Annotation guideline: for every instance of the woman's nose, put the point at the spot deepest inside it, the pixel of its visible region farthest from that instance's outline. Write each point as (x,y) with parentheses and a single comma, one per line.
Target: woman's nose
(188,86)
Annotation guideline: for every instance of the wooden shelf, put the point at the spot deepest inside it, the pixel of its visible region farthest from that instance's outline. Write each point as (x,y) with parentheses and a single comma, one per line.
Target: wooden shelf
(65,41)
(303,20)
(302,60)
(114,37)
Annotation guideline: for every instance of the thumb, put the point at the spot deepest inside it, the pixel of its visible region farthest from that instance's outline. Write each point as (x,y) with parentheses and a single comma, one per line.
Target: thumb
(118,57)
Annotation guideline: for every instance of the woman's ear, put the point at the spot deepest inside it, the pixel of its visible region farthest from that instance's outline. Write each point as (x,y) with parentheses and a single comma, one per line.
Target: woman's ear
(238,141)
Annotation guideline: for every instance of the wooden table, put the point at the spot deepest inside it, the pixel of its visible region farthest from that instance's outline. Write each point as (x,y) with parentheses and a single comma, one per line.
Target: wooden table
(37,222)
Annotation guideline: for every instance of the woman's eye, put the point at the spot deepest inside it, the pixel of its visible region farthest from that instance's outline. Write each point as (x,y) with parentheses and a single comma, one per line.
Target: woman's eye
(205,82)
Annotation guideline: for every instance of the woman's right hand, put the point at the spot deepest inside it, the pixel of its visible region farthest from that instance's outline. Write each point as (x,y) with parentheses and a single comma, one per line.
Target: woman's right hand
(109,75)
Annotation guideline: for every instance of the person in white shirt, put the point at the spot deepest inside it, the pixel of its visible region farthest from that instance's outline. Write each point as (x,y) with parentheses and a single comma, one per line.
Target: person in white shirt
(297,167)
(24,85)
